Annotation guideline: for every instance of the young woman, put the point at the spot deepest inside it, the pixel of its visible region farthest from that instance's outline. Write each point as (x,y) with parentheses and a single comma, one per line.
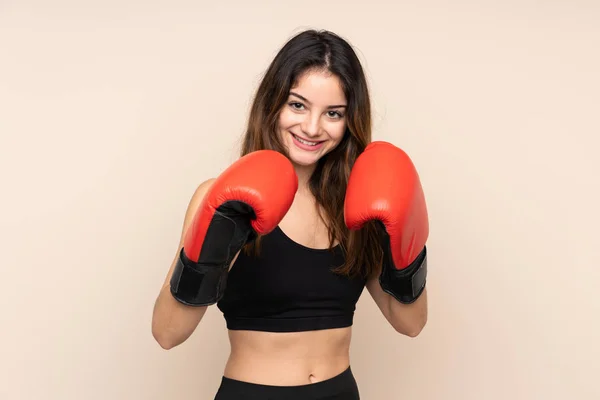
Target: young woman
(285,240)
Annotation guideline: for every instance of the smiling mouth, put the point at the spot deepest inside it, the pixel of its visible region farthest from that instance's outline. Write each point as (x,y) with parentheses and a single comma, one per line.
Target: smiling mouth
(307,142)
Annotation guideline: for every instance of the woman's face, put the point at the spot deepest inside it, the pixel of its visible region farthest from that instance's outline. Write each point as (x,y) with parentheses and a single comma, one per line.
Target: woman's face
(313,120)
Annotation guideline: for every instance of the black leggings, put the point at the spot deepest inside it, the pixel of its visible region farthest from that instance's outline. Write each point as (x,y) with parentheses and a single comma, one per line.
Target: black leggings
(340,387)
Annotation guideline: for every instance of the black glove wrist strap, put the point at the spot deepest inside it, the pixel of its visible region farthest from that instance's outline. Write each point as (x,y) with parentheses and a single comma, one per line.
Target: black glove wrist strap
(405,285)
(197,284)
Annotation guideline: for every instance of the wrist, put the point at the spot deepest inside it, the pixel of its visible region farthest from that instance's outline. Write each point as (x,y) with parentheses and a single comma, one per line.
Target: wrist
(405,285)
(195,284)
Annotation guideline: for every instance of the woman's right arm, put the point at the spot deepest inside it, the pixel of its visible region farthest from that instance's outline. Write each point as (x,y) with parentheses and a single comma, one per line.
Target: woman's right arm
(172,321)
(251,196)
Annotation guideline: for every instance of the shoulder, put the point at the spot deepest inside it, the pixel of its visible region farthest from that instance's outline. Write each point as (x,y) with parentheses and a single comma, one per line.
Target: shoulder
(202,189)
(196,199)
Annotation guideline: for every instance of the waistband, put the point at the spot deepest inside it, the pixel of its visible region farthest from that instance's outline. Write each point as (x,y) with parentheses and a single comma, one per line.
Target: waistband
(339,387)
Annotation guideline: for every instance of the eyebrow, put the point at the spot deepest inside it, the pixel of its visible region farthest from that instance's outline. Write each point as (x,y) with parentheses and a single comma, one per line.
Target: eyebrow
(306,100)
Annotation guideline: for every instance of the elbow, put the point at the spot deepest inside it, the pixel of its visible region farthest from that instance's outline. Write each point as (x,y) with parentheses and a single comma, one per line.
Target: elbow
(412,329)
(413,332)
(170,328)
(165,341)
(411,320)
(165,337)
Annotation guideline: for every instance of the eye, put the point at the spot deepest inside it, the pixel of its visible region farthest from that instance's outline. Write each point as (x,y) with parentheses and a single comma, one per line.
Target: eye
(295,105)
(335,114)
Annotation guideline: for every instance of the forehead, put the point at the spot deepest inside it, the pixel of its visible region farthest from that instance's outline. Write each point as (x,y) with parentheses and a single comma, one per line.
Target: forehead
(320,88)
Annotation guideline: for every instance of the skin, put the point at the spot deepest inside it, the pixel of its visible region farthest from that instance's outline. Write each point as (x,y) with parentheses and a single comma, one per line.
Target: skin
(314,111)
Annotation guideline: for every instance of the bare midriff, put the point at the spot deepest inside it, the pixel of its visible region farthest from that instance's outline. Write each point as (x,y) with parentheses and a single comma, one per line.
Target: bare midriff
(288,359)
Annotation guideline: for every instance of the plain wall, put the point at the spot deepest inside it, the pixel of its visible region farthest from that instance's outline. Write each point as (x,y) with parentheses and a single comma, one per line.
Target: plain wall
(112,112)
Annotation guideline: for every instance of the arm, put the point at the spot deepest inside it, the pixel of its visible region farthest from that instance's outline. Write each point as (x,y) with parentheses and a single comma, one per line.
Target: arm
(248,199)
(384,187)
(172,321)
(406,319)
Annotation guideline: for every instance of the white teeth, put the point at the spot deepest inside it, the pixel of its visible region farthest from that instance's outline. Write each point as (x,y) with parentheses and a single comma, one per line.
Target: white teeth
(305,142)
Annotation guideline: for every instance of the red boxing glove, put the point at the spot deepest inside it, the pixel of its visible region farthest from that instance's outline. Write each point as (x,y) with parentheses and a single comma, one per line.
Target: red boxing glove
(384,186)
(249,198)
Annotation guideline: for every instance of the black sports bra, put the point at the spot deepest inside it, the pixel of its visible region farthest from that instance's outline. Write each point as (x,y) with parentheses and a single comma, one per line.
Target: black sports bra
(289,288)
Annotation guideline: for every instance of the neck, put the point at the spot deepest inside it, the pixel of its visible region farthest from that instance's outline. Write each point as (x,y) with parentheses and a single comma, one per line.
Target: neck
(304,173)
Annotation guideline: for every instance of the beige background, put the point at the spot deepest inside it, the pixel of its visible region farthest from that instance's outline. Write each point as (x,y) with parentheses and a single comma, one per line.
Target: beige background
(111,112)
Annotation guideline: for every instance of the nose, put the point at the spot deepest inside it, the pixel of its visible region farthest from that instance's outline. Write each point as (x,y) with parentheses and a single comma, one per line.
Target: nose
(311,125)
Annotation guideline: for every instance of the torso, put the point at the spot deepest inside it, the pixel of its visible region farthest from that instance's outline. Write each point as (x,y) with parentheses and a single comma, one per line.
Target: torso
(303,225)
(292,358)
(288,359)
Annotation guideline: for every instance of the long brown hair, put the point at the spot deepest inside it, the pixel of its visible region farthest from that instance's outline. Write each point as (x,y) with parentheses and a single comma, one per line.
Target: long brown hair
(321,50)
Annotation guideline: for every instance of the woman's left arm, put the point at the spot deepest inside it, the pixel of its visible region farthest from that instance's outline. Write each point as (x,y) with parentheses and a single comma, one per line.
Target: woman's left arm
(384,186)
(406,319)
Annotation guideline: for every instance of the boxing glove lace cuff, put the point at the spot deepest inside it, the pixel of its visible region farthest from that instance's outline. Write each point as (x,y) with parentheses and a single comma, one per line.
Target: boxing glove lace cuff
(405,285)
(197,284)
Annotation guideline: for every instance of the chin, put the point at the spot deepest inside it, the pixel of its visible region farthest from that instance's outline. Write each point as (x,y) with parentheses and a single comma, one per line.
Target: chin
(303,160)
